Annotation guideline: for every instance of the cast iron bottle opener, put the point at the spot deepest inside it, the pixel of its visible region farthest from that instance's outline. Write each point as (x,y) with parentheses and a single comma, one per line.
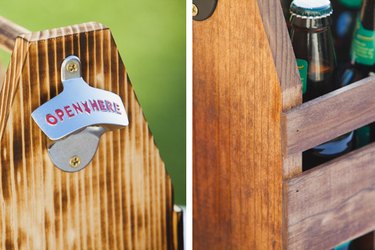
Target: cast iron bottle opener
(76,118)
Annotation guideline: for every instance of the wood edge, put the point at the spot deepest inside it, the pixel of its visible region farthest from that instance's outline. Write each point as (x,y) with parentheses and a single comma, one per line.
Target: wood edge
(170,203)
(284,225)
(282,52)
(10,79)
(63,31)
(290,87)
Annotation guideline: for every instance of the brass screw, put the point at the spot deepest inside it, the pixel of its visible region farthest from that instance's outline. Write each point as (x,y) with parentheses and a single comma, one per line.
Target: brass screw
(195,10)
(75,161)
(72,66)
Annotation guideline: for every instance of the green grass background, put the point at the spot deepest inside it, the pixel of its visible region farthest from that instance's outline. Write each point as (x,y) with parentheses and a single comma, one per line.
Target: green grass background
(151,38)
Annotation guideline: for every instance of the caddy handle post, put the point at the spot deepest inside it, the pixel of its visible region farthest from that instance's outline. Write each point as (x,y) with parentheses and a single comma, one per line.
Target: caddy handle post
(9,32)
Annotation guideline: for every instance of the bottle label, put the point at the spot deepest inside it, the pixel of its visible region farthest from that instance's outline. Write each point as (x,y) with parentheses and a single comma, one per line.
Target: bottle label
(355,4)
(303,67)
(364,45)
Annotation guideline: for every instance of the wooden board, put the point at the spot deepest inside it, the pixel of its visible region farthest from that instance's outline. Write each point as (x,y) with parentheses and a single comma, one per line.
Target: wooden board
(329,116)
(333,202)
(282,52)
(237,161)
(122,200)
(285,63)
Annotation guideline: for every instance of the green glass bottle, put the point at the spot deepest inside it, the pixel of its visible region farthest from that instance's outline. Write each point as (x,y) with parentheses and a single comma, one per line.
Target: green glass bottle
(363,46)
(362,60)
(314,49)
(345,14)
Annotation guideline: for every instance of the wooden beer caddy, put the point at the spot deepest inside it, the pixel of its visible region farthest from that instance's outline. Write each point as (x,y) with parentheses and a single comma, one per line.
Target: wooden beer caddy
(250,130)
(122,200)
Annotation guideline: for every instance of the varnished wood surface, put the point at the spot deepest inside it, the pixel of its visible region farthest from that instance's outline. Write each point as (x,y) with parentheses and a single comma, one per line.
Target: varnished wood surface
(285,63)
(122,200)
(233,179)
(329,116)
(237,161)
(333,202)
(8,33)
(282,51)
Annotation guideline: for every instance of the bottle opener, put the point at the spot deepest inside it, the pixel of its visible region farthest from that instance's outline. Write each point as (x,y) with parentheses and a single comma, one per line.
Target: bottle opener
(76,118)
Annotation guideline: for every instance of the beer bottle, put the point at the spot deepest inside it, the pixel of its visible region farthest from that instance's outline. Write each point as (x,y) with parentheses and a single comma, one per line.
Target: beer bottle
(363,47)
(344,246)
(363,59)
(345,14)
(314,49)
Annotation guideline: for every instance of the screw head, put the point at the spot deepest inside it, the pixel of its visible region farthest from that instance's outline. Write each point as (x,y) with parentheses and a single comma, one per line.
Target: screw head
(75,161)
(195,10)
(72,66)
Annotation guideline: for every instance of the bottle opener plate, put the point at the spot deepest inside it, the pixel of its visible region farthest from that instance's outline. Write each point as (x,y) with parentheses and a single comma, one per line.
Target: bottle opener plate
(77,117)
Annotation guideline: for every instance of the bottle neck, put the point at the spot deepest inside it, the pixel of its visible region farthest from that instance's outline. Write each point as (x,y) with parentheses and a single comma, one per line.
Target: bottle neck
(314,49)
(363,45)
(310,23)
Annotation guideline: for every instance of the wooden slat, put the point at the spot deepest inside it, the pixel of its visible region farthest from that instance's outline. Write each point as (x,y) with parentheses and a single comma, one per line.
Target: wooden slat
(122,200)
(329,116)
(333,202)
(237,164)
(8,33)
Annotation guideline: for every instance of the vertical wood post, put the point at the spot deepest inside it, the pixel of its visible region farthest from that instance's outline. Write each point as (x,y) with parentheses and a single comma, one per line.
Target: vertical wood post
(238,100)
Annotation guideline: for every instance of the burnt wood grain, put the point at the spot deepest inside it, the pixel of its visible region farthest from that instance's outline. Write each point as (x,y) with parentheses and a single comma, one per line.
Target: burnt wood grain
(8,33)
(122,200)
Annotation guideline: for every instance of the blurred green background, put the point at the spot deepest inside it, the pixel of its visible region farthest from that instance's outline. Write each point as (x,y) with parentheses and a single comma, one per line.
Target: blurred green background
(151,38)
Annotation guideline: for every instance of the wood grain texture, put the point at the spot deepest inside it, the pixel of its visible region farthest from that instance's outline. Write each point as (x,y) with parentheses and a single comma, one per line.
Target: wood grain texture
(122,200)
(8,33)
(333,202)
(329,116)
(237,161)
(286,67)
(282,51)
(285,63)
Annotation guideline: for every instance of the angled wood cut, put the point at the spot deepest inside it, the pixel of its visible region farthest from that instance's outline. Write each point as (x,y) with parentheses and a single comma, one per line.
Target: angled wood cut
(122,200)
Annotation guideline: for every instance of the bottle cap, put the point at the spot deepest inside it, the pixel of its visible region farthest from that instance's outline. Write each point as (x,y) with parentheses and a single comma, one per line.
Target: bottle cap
(311,8)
